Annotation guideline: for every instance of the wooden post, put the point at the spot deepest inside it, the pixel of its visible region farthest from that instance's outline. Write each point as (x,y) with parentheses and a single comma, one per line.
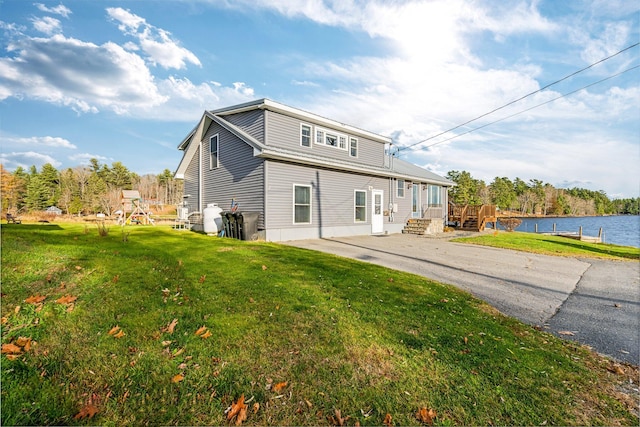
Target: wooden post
(554,227)
(580,233)
(536,228)
(600,233)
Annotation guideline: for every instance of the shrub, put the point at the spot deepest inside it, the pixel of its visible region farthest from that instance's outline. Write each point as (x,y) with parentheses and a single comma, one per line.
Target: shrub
(509,224)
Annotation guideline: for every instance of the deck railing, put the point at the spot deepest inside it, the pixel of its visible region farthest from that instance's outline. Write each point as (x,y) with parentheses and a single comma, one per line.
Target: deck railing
(479,214)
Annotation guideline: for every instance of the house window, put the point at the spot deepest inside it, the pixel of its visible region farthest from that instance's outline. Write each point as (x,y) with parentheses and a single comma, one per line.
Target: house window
(305,135)
(400,184)
(435,195)
(353,147)
(214,149)
(331,140)
(301,204)
(360,203)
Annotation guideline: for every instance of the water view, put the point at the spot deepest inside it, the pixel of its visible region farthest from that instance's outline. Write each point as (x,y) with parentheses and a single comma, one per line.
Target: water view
(617,230)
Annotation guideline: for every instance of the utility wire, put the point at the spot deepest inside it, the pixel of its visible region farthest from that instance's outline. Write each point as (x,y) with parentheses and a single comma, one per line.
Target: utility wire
(524,111)
(519,99)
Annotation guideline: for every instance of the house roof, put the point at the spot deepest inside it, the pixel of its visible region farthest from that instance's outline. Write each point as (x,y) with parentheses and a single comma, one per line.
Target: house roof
(396,168)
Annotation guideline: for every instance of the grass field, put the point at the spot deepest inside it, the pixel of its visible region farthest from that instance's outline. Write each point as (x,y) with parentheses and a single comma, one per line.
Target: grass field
(148,325)
(553,245)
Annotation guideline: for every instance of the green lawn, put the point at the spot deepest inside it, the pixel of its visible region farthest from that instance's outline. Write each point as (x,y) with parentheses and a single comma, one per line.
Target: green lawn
(300,334)
(552,245)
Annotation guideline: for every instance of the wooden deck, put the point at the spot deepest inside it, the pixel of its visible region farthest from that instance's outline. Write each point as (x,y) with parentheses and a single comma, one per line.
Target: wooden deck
(472,217)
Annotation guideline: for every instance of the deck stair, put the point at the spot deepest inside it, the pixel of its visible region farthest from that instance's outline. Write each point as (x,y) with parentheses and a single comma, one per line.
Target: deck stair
(417,226)
(472,217)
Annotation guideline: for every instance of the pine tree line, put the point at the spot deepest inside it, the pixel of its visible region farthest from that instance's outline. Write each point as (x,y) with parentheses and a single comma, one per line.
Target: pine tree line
(536,197)
(83,190)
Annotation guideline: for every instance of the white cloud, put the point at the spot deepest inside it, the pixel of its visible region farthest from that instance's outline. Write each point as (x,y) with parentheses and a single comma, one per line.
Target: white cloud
(42,141)
(78,74)
(47,25)
(57,10)
(85,158)
(26,159)
(156,43)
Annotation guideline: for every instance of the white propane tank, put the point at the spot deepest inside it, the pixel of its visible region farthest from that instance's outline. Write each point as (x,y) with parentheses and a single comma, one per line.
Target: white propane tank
(212,219)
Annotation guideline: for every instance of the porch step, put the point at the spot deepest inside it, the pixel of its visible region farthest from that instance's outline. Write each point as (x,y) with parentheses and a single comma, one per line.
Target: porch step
(417,226)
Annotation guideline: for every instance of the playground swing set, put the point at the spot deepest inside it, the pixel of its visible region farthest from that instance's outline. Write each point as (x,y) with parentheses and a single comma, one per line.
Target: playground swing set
(134,210)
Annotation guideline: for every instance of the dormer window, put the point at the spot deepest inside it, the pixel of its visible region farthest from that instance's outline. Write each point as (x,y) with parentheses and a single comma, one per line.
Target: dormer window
(305,135)
(331,139)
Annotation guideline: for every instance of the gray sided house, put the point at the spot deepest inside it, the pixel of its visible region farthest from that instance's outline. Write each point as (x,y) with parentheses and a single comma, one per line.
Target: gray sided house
(306,175)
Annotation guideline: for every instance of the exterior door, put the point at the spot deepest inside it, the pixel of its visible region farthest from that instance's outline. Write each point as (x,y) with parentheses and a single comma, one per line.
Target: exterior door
(415,201)
(377,217)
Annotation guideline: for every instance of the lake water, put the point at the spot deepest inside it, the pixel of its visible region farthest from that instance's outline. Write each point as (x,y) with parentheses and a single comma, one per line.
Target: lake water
(618,229)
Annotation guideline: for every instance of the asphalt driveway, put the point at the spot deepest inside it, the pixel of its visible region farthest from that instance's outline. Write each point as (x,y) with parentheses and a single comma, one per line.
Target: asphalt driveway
(594,302)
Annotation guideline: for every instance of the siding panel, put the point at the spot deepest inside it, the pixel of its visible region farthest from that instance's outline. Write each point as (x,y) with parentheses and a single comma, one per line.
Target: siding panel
(239,175)
(284,131)
(191,182)
(251,122)
(332,195)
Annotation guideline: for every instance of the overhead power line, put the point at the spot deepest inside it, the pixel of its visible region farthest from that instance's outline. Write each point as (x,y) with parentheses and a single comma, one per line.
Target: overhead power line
(520,99)
(523,111)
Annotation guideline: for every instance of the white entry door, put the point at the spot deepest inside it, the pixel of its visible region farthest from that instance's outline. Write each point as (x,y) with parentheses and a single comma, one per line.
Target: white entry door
(377,217)
(415,201)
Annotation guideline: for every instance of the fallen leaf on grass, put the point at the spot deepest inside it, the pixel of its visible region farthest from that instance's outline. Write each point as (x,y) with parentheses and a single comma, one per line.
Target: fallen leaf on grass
(166,343)
(5,320)
(256,407)
(11,348)
(387,420)
(616,369)
(113,330)
(24,342)
(264,267)
(206,335)
(115,278)
(67,299)
(201,330)
(202,278)
(120,334)
(238,410)
(88,411)
(336,419)
(17,309)
(279,386)
(426,416)
(171,326)
(177,378)
(35,299)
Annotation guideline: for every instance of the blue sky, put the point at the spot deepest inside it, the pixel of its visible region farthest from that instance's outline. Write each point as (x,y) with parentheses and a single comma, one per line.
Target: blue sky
(127,80)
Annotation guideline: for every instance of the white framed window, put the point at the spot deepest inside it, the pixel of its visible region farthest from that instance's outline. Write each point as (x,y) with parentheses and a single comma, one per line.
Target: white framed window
(331,138)
(435,195)
(360,206)
(305,135)
(214,152)
(400,188)
(353,147)
(301,204)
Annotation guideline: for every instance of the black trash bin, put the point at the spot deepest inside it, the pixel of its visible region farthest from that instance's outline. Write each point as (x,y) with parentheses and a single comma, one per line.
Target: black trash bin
(249,225)
(237,220)
(225,223)
(230,226)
